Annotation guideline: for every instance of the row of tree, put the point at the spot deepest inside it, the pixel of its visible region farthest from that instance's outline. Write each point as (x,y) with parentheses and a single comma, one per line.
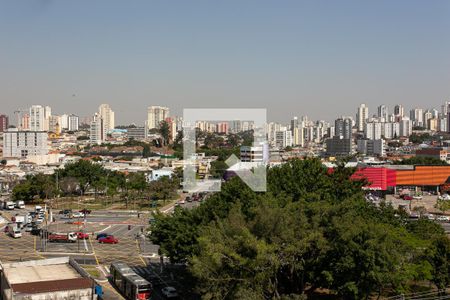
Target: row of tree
(84,176)
(312,229)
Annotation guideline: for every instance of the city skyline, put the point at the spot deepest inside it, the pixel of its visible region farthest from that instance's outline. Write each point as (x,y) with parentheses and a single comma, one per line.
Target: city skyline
(294,59)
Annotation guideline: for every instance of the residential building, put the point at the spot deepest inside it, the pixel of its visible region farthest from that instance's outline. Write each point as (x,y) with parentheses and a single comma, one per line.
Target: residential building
(4,123)
(64,122)
(399,111)
(73,122)
(371,147)
(137,133)
(108,117)
(416,116)
(54,124)
(255,153)
(24,143)
(37,118)
(283,139)
(155,115)
(97,132)
(405,127)
(338,146)
(373,130)
(362,116)
(383,113)
(343,127)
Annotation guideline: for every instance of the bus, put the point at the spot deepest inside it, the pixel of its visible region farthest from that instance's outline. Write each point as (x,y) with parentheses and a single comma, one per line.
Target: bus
(131,285)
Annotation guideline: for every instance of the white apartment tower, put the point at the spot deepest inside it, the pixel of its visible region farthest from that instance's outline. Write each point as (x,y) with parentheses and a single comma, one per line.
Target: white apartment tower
(73,122)
(155,115)
(107,116)
(362,116)
(96,133)
(37,118)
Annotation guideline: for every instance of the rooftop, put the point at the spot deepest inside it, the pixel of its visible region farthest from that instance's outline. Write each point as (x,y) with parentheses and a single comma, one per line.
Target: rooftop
(40,271)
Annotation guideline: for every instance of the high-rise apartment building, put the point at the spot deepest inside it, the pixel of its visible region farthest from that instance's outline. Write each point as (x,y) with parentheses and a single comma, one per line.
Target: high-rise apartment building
(283,139)
(399,111)
(96,132)
(4,123)
(362,116)
(416,116)
(107,116)
(383,113)
(37,118)
(155,115)
(72,122)
(343,127)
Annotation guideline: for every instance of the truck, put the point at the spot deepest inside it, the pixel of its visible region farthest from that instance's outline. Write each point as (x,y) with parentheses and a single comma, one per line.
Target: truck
(21,221)
(70,237)
(14,230)
(9,205)
(20,204)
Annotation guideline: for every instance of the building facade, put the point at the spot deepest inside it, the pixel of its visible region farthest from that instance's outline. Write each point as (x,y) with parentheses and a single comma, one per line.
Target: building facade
(22,144)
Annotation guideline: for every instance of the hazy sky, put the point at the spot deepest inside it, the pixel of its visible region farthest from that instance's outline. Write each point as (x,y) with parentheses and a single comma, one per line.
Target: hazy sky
(320,58)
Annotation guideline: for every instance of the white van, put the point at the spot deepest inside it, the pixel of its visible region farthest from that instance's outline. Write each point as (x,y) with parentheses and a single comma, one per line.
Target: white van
(20,204)
(14,231)
(9,205)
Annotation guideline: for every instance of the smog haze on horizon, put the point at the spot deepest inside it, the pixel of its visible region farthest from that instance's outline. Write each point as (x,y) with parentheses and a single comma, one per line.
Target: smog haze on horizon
(315,58)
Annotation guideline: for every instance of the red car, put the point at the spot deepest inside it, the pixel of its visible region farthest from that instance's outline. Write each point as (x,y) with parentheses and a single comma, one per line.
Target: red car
(108,240)
(82,235)
(407,197)
(85,211)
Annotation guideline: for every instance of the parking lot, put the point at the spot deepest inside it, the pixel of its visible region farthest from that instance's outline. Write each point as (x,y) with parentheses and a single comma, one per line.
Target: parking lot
(132,248)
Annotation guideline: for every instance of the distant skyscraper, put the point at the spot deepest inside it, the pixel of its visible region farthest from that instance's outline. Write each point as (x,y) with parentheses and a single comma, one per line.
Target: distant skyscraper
(399,111)
(343,128)
(37,118)
(4,123)
(155,115)
(361,116)
(416,116)
(73,122)
(107,116)
(96,132)
(383,113)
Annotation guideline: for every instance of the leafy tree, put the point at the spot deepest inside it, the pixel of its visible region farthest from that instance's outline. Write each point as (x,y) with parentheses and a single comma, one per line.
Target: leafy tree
(3,162)
(164,131)
(146,152)
(439,257)
(24,191)
(218,168)
(442,205)
(86,172)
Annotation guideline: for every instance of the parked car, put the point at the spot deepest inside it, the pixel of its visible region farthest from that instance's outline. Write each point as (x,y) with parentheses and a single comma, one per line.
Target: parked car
(101,235)
(169,292)
(108,240)
(82,235)
(29,227)
(85,211)
(181,201)
(77,215)
(65,212)
(443,218)
(188,199)
(429,216)
(444,197)
(417,197)
(407,197)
